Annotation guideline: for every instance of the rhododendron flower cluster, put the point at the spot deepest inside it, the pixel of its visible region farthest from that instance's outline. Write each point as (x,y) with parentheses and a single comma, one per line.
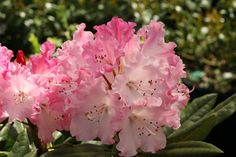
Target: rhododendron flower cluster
(117,83)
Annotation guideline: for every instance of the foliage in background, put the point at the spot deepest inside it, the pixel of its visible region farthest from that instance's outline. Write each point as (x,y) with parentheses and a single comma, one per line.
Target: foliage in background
(204,30)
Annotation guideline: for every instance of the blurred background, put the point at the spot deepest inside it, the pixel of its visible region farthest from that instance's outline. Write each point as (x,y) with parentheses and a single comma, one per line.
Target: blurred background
(204,30)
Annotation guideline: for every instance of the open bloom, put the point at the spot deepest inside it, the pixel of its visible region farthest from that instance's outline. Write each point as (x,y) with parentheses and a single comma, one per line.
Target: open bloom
(141,129)
(17,93)
(104,52)
(5,58)
(95,109)
(116,83)
(50,114)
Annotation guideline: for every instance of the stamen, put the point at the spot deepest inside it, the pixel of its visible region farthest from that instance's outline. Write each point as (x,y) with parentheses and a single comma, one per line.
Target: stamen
(144,89)
(19,97)
(114,73)
(53,114)
(144,126)
(107,81)
(97,114)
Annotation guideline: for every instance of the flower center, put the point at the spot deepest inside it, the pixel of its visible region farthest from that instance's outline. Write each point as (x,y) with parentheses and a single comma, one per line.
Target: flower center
(145,127)
(20,97)
(144,88)
(97,113)
(53,114)
(102,58)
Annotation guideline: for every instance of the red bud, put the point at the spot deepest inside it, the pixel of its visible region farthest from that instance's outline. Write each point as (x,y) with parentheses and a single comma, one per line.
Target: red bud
(20,58)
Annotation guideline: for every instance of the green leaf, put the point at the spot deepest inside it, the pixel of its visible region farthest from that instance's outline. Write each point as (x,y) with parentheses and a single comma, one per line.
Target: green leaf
(186,149)
(8,135)
(34,42)
(191,120)
(195,131)
(32,153)
(224,110)
(63,137)
(22,146)
(197,128)
(82,150)
(55,41)
(4,153)
(198,107)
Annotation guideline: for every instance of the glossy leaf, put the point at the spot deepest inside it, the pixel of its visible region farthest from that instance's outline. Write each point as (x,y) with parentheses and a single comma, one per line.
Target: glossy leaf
(32,153)
(198,107)
(8,135)
(82,150)
(225,109)
(22,146)
(198,129)
(186,149)
(193,112)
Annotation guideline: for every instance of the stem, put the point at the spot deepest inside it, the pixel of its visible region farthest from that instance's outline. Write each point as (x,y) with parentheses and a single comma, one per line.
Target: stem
(41,147)
(107,81)
(114,73)
(25,123)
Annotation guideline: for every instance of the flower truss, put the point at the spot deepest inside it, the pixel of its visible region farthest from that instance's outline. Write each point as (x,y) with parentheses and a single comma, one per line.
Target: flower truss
(116,83)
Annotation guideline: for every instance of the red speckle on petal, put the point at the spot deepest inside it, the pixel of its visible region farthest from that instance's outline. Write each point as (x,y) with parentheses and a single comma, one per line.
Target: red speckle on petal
(20,58)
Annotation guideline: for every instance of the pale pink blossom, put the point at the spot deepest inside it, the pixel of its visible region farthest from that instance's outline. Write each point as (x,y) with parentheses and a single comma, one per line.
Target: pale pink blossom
(5,58)
(50,115)
(18,93)
(94,113)
(141,128)
(70,53)
(140,81)
(154,43)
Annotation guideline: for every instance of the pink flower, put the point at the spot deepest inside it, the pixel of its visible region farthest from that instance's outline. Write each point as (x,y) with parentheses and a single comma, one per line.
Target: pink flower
(120,82)
(44,66)
(103,54)
(94,113)
(149,84)
(70,54)
(139,81)
(3,114)
(116,29)
(44,62)
(141,128)
(5,58)
(18,93)
(50,114)
(154,43)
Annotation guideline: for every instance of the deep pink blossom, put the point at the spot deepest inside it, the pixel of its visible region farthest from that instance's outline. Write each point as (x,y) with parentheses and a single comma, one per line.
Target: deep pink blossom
(103,54)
